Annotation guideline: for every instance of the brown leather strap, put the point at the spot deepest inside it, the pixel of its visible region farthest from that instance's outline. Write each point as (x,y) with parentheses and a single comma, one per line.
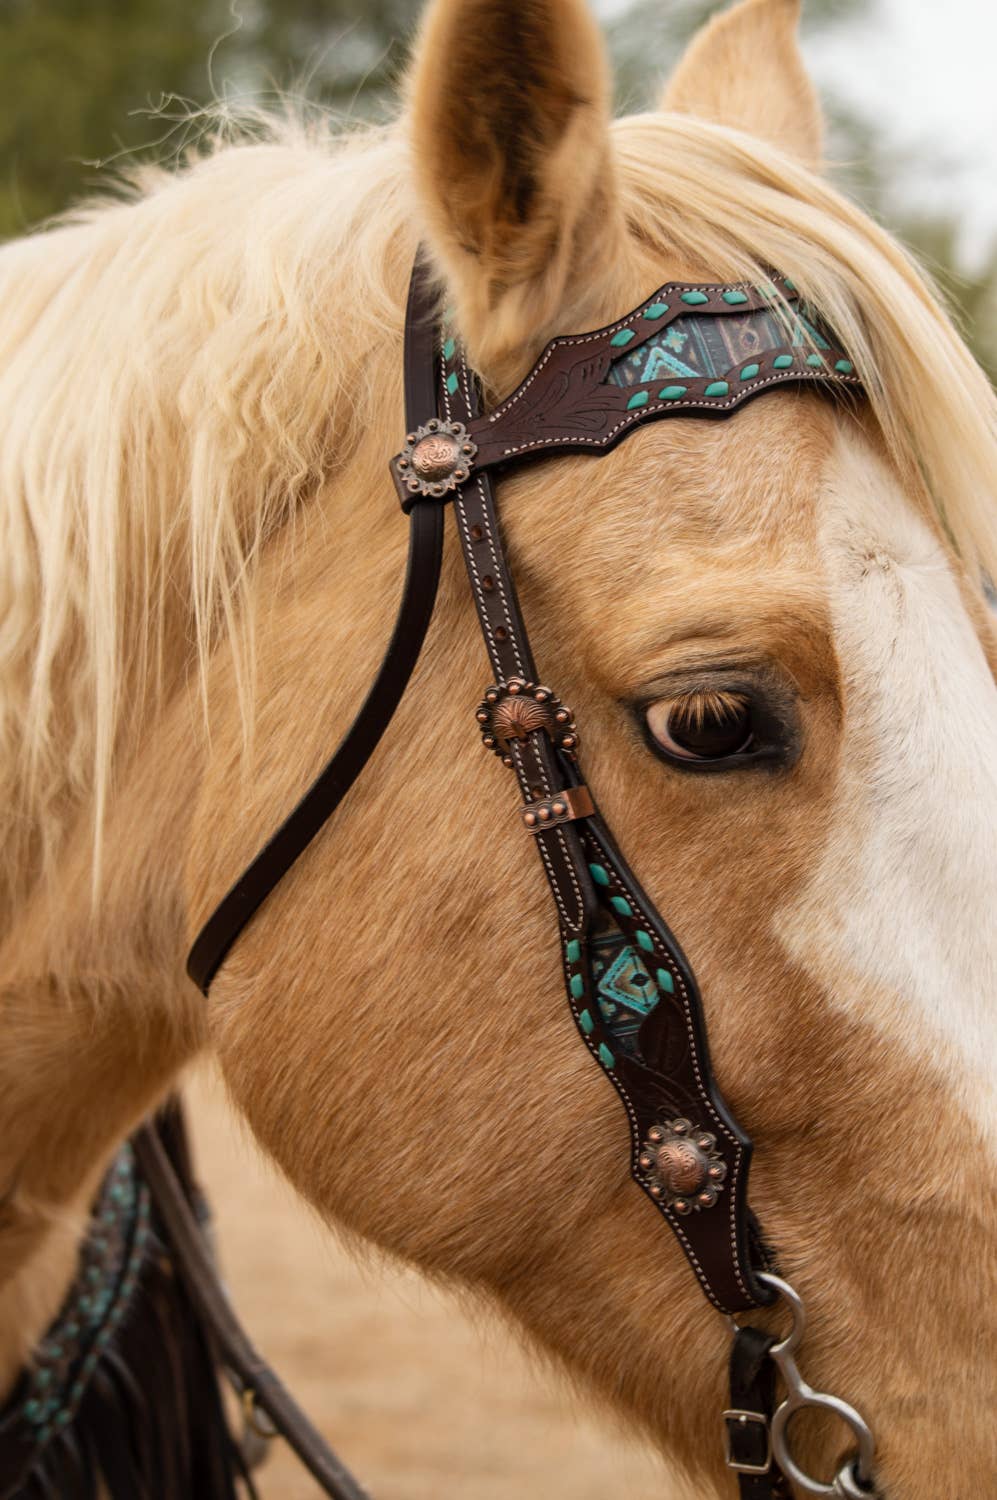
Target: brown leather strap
(415,611)
(204,1287)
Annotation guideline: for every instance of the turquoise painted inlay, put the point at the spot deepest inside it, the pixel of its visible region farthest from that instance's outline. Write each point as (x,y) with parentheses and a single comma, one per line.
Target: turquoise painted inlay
(622,339)
(789,285)
(695,299)
(782,362)
(672,393)
(749,372)
(640,399)
(620,904)
(814,361)
(574,951)
(577,986)
(598,874)
(656,310)
(735,298)
(645,940)
(665,981)
(586,1022)
(452,383)
(449,348)
(606,1057)
(844,366)
(717,388)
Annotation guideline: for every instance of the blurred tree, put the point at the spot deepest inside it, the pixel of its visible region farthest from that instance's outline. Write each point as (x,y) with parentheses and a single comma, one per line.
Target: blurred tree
(86,81)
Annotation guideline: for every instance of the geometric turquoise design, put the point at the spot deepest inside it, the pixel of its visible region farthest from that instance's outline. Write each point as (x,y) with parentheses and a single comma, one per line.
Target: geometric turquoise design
(625,991)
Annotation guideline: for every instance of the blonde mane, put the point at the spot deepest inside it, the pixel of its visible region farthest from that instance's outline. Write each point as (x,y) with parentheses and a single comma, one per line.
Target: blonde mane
(179,373)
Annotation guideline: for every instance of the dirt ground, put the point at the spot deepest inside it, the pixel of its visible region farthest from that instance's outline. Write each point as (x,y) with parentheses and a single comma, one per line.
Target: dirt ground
(420,1402)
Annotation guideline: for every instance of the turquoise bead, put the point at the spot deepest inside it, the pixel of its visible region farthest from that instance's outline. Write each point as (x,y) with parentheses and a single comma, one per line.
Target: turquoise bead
(606,1057)
(645,940)
(749,372)
(586,1022)
(672,393)
(620,904)
(574,951)
(735,298)
(665,981)
(452,383)
(695,299)
(640,399)
(577,986)
(782,362)
(844,366)
(449,348)
(815,361)
(717,388)
(598,874)
(622,339)
(656,310)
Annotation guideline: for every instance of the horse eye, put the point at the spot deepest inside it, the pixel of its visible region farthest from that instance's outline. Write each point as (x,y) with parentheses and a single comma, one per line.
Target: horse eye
(702,726)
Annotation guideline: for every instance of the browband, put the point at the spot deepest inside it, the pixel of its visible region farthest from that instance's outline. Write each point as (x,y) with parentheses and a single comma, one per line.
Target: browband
(687,351)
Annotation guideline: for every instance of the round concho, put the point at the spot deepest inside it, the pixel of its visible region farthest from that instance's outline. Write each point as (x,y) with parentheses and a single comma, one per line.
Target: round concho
(681,1166)
(517,709)
(436,458)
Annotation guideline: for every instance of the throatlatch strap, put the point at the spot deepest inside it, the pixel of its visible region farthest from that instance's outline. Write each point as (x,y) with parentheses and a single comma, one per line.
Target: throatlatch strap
(415,611)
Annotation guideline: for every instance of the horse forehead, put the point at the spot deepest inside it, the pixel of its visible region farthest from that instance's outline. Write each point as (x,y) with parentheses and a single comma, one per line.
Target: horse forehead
(899,903)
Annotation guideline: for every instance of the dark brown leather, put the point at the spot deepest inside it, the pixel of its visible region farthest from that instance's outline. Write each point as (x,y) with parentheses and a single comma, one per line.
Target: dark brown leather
(566,405)
(673,1077)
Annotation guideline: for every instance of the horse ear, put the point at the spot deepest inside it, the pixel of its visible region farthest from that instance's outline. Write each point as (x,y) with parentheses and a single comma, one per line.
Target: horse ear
(509,114)
(745,69)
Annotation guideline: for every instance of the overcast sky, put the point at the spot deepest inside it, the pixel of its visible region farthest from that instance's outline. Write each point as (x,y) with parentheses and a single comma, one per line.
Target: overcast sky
(926,71)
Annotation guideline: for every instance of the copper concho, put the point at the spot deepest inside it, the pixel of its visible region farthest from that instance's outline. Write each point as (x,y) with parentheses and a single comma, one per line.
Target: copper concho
(681,1166)
(436,458)
(519,709)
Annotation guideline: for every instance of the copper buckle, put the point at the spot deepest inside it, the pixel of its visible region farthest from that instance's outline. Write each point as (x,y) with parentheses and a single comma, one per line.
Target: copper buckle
(741,1419)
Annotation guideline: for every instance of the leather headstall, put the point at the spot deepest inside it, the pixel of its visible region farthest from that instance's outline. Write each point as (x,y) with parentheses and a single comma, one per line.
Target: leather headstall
(688,351)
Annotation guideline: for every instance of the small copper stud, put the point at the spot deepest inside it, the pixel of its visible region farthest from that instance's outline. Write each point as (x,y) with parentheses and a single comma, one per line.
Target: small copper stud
(433,425)
(569,742)
(489,742)
(717,1172)
(530,818)
(492,695)
(507,760)
(646,1162)
(403,463)
(413,484)
(680,1127)
(543,814)
(681,1205)
(482,716)
(514,687)
(460,474)
(560,808)
(541,695)
(655,1134)
(655,1190)
(411,439)
(707,1199)
(705,1142)
(562,716)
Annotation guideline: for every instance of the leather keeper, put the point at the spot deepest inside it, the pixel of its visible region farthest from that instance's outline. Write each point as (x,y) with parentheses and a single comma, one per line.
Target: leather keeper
(562,807)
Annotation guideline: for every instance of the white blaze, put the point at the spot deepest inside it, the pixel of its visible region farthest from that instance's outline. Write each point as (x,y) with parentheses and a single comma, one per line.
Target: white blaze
(899,917)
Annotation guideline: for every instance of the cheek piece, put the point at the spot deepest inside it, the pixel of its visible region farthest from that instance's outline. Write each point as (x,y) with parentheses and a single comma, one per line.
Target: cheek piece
(691,351)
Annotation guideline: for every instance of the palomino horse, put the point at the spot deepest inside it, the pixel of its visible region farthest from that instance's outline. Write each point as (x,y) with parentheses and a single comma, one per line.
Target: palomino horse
(201,388)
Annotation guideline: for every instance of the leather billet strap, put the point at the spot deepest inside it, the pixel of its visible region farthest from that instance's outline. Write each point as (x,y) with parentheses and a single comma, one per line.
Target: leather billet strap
(667,1075)
(748,1421)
